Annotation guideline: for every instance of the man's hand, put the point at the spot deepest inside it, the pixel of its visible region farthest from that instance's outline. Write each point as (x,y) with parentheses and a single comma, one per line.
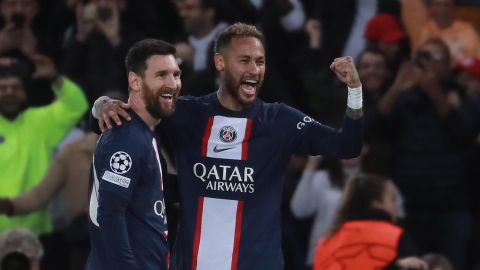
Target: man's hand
(408,76)
(109,109)
(345,70)
(10,37)
(44,68)
(313,28)
(111,27)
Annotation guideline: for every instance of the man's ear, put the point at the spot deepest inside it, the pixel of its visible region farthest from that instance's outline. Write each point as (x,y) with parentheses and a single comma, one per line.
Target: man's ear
(134,81)
(219,62)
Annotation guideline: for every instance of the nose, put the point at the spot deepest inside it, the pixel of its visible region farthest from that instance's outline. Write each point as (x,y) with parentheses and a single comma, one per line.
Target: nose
(170,81)
(254,68)
(7,92)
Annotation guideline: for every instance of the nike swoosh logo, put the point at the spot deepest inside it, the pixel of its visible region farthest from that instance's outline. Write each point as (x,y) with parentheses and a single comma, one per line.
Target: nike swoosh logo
(218,150)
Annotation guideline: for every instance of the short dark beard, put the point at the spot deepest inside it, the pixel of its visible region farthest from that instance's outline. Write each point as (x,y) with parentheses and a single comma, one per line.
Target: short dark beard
(233,88)
(152,106)
(12,115)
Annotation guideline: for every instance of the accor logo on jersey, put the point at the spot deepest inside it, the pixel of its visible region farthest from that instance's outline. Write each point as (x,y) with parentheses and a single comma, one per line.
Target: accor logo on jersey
(226,178)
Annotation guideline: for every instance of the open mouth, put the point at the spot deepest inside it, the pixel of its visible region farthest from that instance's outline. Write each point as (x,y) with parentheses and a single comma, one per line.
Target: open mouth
(249,87)
(167,96)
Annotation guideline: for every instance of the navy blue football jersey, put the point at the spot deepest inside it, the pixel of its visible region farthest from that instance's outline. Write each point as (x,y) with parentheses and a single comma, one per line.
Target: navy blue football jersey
(128,225)
(230,178)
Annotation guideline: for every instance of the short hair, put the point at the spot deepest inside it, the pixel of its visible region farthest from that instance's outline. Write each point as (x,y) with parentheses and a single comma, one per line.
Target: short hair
(359,193)
(137,56)
(237,30)
(20,240)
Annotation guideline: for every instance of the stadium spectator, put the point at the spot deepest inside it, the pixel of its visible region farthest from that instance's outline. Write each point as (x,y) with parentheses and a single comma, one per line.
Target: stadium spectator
(29,135)
(363,232)
(68,175)
(468,75)
(430,129)
(20,249)
(437,20)
(373,70)
(202,22)
(384,31)
(318,194)
(29,29)
(96,46)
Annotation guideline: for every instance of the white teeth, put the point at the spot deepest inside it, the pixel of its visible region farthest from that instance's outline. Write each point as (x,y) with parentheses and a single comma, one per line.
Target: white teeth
(250,81)
(167,95)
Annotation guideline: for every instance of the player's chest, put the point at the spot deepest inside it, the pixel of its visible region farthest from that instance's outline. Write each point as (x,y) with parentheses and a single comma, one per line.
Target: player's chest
(231,138)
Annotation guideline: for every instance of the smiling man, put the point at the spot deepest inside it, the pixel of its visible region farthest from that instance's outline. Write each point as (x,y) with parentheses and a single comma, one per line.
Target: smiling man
(128,225)
(231,149)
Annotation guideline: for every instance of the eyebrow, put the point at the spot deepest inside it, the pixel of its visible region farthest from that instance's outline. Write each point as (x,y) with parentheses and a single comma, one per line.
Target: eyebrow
(250,57)
(168,71)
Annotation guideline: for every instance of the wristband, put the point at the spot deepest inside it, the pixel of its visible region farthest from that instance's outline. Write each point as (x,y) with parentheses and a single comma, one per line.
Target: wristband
(355,100)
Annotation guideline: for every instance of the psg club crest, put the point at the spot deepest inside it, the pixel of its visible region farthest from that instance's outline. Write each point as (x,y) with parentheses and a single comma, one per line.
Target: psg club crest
(228,134)
(120,162)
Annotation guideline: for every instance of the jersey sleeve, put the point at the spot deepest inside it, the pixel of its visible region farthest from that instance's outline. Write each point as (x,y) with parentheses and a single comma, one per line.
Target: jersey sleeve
(314,138)
(118,171)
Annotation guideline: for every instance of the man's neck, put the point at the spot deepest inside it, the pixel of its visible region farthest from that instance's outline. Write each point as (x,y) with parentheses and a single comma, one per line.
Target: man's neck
(229,102)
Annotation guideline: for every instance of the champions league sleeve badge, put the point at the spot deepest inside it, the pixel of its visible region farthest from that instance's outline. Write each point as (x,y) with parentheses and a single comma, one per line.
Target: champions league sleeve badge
(120,162)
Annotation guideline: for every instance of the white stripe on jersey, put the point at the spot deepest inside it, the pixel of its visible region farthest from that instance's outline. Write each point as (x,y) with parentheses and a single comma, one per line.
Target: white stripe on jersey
(93,206)
(230,146)
(154,143)
(218,232)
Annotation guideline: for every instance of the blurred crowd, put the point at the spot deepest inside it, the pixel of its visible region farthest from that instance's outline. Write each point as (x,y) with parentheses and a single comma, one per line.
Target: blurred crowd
(418,60)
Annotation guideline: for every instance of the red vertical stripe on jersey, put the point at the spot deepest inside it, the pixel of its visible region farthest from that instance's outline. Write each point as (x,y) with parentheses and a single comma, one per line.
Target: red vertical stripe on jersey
(238,231)
(206,136)
(248,130)
(198,231)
